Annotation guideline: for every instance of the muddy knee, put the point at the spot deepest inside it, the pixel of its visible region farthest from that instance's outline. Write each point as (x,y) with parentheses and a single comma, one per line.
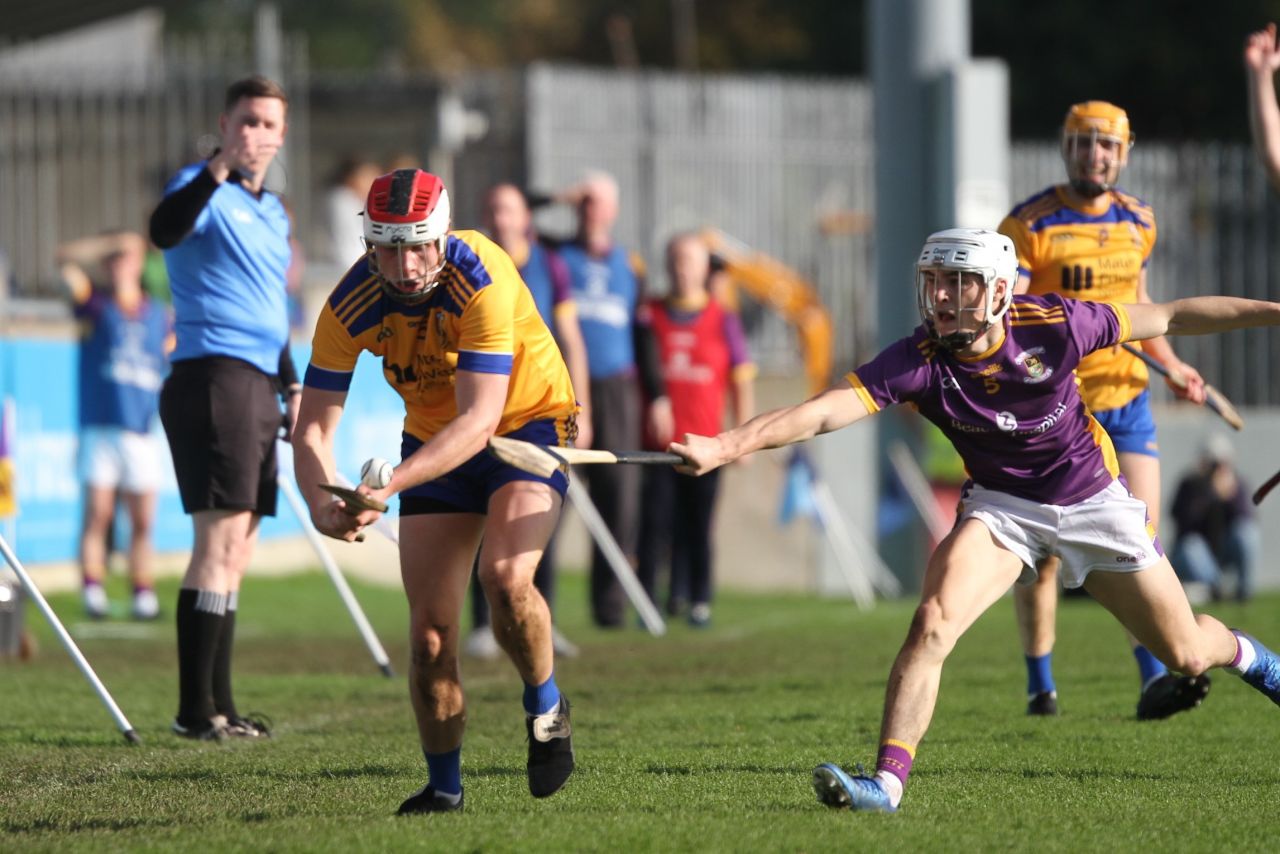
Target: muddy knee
(433,647)
(505,583)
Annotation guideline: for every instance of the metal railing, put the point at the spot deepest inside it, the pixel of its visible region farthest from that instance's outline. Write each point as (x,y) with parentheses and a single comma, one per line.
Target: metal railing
(784,164)
(80,154)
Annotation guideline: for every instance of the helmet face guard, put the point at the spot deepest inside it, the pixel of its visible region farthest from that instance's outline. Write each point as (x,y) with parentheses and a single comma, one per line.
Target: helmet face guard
(1088,125)
(408,289)
(944,261)
(407,210)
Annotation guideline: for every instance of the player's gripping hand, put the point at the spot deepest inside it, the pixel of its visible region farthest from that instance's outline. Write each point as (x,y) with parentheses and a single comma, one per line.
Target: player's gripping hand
(702,453)
(1189,385)
(336,519)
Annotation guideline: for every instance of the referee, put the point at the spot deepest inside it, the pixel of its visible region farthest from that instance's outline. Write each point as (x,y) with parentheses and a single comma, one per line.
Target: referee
(226,246)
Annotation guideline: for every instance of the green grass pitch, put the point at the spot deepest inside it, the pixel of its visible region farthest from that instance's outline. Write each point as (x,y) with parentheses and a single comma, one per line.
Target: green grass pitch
(700,741)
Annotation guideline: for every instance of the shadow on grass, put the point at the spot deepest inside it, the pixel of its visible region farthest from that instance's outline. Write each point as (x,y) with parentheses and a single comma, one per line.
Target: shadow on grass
(512,770)
(1081,775)
(76,825)
(68,740)
(685,770)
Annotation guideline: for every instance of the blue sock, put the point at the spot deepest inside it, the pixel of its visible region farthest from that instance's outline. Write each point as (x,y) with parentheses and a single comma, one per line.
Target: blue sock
(540,699)
(1149,667)
(444,771)
(1040,674)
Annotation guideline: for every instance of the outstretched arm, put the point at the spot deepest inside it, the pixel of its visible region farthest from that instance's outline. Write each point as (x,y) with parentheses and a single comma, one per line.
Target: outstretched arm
(1261,60)
(838,406)
(1199,316)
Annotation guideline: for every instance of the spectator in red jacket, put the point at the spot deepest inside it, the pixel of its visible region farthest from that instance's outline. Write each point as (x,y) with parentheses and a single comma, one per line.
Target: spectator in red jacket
(704,361)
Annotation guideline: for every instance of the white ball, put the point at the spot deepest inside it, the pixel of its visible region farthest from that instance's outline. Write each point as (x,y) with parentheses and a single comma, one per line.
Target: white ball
(376,473)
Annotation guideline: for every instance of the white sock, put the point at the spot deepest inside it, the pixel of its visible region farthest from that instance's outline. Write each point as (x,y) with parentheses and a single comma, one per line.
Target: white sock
(892,785)
(448,797)
(1247,654)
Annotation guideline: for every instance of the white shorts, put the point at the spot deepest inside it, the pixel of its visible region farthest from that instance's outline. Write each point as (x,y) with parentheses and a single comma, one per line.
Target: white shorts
(114,458)
(1108,531)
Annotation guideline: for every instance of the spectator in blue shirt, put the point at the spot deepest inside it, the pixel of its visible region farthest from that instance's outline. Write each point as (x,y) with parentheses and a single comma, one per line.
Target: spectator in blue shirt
(607,284)
(124,338)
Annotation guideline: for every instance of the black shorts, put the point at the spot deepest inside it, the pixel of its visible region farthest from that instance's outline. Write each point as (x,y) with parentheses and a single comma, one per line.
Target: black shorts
(222,417)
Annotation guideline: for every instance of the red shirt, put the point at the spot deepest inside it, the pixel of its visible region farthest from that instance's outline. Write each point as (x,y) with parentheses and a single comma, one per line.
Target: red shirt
(698,351)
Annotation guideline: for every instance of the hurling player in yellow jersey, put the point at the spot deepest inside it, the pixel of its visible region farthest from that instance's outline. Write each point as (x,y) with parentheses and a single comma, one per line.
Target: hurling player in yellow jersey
(461,341)
(1088,239)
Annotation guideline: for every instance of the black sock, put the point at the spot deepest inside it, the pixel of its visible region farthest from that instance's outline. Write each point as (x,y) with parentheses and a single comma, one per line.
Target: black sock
(222,699)
(200,618)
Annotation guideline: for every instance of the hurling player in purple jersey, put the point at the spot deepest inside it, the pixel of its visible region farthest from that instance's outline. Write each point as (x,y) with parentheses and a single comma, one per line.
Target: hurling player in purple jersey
(994,372)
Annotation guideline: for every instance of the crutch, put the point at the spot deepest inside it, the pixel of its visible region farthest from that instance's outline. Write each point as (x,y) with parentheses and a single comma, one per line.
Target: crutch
(335,575)
(618,562)
(77,656)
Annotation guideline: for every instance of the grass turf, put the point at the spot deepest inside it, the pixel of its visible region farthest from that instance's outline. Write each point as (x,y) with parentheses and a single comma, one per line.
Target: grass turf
(703,740)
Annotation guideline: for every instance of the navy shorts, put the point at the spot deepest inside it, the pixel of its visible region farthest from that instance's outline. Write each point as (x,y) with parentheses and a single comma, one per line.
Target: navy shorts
(468,488)
(1131,427)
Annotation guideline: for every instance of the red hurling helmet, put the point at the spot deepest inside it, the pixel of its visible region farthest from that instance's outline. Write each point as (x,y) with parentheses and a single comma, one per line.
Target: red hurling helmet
(407,208)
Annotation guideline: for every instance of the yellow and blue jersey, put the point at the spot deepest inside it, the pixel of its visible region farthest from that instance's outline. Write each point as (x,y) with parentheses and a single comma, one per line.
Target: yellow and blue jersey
(480,317)
(1096,253)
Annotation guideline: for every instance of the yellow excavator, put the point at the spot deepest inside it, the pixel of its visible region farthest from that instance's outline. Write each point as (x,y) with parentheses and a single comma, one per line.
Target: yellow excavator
(781,289)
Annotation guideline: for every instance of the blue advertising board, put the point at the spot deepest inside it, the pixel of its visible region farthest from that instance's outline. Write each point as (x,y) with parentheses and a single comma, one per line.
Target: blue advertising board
(39,376)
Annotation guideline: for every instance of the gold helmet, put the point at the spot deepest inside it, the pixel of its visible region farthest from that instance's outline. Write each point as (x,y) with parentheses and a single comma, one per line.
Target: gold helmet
(1087,126)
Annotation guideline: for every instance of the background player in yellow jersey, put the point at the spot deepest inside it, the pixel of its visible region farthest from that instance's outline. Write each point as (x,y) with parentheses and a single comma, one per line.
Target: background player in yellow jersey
(462,342)
(1089,240)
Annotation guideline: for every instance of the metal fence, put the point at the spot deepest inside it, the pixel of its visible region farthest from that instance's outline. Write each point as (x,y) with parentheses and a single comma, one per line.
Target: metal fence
(769,160)
(783,164)
(1218,224)
(80,154)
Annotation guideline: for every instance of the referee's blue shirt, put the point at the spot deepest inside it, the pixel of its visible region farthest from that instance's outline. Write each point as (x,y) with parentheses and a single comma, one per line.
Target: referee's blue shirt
(228,277)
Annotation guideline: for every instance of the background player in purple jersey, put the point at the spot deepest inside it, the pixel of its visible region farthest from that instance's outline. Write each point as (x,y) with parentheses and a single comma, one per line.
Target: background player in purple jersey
(994,372)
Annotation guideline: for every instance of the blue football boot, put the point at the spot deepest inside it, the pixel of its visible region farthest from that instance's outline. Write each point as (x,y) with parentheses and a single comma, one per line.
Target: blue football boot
(837,789)
(1264,673)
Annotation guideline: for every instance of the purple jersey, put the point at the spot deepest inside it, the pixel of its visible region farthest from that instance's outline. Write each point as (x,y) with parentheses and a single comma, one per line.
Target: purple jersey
(1013,413)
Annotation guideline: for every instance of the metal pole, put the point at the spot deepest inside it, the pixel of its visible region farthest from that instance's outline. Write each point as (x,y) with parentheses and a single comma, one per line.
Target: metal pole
(618,562)
(917,486)
(335,575)
(122,722)
(856,557)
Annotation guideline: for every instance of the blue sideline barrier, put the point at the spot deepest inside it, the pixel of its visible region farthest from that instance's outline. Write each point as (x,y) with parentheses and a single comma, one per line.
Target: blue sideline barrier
(40,376)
